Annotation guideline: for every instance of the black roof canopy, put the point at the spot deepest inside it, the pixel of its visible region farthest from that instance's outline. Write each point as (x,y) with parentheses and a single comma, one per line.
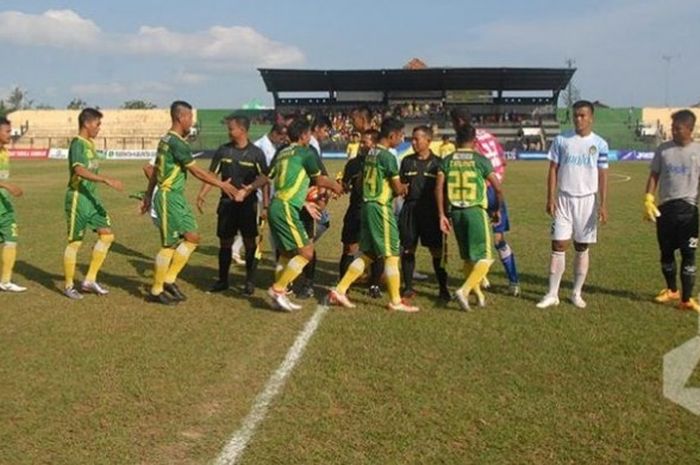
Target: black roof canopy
(429,79)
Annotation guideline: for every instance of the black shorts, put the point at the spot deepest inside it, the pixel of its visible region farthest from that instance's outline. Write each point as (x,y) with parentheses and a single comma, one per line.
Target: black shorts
(677,227)
(308,222)
(351,225)
(234,217)
(419,222)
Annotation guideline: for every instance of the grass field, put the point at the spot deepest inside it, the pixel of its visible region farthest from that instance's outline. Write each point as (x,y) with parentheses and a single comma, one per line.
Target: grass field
(117,381)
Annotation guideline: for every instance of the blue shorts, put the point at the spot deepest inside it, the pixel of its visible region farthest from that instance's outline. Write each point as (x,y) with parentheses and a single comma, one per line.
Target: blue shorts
(504,225)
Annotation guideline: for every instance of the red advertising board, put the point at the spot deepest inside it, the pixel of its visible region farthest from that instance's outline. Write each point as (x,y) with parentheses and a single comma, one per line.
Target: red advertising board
(29,153)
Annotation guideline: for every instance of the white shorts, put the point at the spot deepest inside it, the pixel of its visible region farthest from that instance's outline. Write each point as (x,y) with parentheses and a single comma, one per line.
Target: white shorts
(577,218)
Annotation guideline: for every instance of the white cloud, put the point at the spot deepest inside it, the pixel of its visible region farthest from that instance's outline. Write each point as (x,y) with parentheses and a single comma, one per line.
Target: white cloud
(186,77)
(228,47)
(121,89)
(54,28)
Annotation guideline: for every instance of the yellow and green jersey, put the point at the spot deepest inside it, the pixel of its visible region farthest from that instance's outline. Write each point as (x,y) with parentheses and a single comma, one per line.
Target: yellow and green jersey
(82,153)
(5,204)
(291,172)
(379,169)
(465,178)
(173,159)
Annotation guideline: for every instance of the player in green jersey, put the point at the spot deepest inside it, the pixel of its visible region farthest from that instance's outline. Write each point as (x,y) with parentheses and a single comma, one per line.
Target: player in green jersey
(293,169)
(8,222)
(83,206)
(178,228)
(379,234)
(461,187)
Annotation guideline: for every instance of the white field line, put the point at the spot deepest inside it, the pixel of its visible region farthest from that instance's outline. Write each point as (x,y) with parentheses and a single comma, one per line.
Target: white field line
(621,178)
(235,447)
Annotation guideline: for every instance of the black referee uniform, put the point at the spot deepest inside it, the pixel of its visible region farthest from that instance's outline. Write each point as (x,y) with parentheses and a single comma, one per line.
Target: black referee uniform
(240,166)
(419,218)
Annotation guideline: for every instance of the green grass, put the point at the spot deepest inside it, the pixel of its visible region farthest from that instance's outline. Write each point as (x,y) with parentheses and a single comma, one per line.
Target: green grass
(213,133)
(115,380)
(616,126)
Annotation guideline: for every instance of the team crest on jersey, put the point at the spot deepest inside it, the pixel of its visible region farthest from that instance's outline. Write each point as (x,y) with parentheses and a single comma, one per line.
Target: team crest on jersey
(593,150)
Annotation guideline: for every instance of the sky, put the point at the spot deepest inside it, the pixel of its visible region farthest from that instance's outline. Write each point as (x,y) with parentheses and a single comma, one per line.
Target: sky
(208,52)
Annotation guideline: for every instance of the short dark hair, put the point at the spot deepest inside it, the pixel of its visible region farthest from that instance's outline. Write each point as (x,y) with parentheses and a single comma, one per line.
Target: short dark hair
(87,115)
(298,127)
(425,130)
(465,134)
(279,128)
(241,120)
(390,125)
(176,108)
(460,113)
(363,110)
(373,134)
(4,121)
(583,104)
(321,121)
(684,117)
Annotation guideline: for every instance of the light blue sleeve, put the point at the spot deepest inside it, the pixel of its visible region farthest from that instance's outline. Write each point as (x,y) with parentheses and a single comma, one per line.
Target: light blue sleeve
(554,150)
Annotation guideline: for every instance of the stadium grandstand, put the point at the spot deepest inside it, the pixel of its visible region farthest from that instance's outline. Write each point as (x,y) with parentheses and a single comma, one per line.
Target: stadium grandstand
(121,129)
(513,103)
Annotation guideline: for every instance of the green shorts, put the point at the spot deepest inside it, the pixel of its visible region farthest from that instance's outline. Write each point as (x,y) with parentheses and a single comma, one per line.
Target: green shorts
(473,230)
(286,226)
(379,235)
(8,227)
(174,217)
(83,212)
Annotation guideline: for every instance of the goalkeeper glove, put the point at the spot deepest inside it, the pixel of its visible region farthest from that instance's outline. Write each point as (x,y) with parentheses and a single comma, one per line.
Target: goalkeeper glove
(650,210)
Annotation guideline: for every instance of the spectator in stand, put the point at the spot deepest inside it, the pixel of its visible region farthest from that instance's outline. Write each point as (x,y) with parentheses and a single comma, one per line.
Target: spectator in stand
(353,145)
(447,147)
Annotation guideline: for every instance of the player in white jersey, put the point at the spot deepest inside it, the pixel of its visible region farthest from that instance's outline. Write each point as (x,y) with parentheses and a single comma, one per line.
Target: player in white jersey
(576,199)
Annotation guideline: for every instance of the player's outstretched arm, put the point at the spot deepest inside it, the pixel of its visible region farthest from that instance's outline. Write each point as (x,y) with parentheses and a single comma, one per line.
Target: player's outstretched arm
(328,183)
(210,178)
(88,175)
(152,180)
(400,189)
(245,191)
(201,196)
(552,188)
(14,190)
(500,197)
(440,202)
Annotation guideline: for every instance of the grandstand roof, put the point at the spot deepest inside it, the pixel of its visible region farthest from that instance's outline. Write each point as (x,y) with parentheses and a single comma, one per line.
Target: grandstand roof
(503,79)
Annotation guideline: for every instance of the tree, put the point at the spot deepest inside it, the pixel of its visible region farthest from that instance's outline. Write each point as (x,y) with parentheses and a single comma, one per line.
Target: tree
(44,106)
(77,104)
(18,99)
(138,105)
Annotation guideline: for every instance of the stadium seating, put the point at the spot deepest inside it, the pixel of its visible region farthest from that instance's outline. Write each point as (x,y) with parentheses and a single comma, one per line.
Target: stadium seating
(121,129)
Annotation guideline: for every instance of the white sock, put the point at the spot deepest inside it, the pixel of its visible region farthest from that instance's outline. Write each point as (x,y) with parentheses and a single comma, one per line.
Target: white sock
(557,265)
(580,271)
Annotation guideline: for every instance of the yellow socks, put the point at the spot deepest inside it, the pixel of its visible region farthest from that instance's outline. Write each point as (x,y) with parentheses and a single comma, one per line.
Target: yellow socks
(281,265)
(9,255)
(163,260)
(393,280)
(70,256)
(477,274)
(99,253)
(182,254)
(291,271)
(354,271)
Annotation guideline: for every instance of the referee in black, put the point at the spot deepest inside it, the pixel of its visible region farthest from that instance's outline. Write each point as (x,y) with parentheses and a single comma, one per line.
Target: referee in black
(243,165)
(419,219)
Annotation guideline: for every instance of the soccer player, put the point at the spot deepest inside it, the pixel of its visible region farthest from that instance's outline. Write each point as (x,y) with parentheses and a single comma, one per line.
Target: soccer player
(178,228)
(8,222)
(352,183)
(315,217)
(292,171)
(461,183)
(379,236)
(244,165)
(83,207)
(418,218)
(487,144)
(577,196)
(675,171)
(361,119)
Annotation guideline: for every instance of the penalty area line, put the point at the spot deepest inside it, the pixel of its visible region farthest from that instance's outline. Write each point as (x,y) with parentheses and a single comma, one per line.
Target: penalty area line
(237,444)
(621,178)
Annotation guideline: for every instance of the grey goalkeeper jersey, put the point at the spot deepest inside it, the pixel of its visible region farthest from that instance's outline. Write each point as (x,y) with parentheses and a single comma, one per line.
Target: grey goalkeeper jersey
(678,169)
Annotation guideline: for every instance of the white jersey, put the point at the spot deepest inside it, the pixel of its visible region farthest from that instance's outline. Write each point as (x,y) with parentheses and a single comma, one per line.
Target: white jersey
(579,159)
(269,149)
(152,212)
(315,144)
